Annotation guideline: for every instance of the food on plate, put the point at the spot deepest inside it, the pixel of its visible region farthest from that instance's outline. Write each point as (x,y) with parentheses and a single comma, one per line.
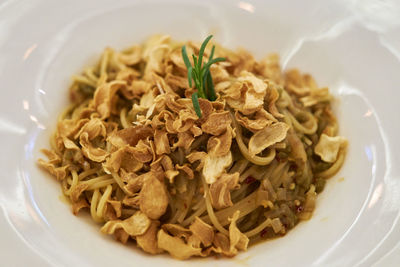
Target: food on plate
(194,149)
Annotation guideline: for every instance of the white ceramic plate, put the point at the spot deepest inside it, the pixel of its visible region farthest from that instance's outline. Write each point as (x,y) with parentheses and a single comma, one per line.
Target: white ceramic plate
(351,46)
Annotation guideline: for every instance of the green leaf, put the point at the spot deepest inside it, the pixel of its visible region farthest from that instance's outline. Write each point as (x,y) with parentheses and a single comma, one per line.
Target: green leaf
(195,61)
(205,84)
(196,78)
(201,75)
(212,53)
(185,57)
(190,70)
(196,104)
(212,61)
(210,87)
(201,93)
(202,48)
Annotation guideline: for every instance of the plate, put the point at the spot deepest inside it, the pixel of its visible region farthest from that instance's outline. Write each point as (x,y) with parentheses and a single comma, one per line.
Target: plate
(351,46)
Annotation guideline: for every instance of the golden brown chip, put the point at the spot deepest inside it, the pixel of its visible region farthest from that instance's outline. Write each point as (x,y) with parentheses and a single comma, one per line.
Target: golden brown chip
(217,123)
(220,191)
(269,68)
(78,205)
(214,166)
(238,241)
(130,136)
(135,225)
(261,120)
(220,145)
(204,232)
(153,197)
(148,241)
(90,151)
(247,93)
(268,136)
(59,172)
(176,246)
(154,52)
(328,147)
(161,142)
(131,56)
(104,97)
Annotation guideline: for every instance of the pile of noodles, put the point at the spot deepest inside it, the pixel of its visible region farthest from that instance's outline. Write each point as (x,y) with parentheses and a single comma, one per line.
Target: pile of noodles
(132,151)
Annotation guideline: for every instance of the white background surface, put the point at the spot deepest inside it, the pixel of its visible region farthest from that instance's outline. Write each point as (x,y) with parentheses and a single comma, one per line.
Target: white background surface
(351,46)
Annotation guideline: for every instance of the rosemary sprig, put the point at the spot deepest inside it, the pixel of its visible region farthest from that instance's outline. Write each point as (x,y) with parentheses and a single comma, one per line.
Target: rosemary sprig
(201,75)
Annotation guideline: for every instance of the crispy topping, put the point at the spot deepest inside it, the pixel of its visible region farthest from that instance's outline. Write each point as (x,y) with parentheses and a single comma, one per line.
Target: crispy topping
(192,149)
(148,240)
(328,147)
(216,123)
(267,137)
(153,197)
(176,246)
(238,241)
(214,166)
(135,225)
(221,190)
(247,93)
(203,231)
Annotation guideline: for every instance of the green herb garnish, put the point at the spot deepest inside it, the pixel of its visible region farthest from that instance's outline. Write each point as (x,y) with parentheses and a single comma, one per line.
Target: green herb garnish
(201,75)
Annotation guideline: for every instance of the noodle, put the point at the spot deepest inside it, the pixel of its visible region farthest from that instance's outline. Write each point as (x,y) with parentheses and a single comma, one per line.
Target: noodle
(245,206)
(195,214)
(120,183)
(93,206)
(84,174)
(211,215)
(133,151)
(102,203)
(334,168)
(259,228)
(100,184)
(301,128)
(73,183)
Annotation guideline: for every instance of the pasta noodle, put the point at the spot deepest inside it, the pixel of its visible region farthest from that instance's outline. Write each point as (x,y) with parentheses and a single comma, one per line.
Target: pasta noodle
(132,150)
